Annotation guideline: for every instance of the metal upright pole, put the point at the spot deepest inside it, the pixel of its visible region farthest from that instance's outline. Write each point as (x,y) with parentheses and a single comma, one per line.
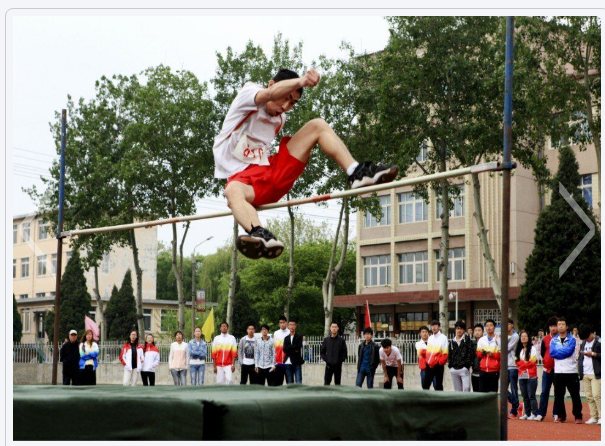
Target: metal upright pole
(507,165)
(59,250)
(193,305)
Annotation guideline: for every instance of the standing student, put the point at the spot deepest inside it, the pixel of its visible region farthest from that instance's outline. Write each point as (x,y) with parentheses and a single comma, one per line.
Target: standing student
(276,378)
(197,358)
(151,360)
(476,375)
(513,372)
(525,357)
(488,351)
(589,369)
(421,351)
(131,357)
(69,355)
(392,364)
(224,352)
(563,350)
(245,357)
(548,370)
(293,346)
(436,351)
(178,360)
(460,358)
(264,356)
(333,352)
(368,358)
(89,350)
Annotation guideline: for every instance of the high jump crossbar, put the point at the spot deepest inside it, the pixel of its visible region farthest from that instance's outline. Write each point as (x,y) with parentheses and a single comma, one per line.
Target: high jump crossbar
(486,167)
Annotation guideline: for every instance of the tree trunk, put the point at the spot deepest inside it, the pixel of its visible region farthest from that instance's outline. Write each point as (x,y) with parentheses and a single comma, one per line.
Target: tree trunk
(482,234)
(328,287)
(291,277)
(444,250)
(99,313)
(139,293)
(232,280)
(178,275)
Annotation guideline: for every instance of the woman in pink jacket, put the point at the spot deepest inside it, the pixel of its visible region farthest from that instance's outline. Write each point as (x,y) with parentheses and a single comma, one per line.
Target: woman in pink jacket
(132,357)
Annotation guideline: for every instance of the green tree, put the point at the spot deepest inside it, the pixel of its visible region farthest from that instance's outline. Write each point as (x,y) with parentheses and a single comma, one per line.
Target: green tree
(17,323)
(75,300)
(244,313)
(121,310)
(166,285)
(577,293)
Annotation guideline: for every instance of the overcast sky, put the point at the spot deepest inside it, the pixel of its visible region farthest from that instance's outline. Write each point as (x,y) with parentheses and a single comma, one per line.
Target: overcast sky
(56,56)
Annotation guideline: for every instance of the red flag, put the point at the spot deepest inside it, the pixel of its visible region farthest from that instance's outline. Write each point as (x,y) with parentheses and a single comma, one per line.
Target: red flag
(367,322)
(89,324)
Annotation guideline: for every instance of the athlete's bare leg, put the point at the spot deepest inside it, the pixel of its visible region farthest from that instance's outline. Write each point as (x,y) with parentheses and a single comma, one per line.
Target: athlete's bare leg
(317,131)
(239,198)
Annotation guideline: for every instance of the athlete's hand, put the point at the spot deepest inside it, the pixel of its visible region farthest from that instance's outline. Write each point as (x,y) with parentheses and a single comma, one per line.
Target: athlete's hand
(386,379)
(310,79)
(255,369)
(400,379)
(215,369)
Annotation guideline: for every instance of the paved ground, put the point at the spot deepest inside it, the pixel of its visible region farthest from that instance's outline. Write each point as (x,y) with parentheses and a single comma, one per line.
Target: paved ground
(548,430)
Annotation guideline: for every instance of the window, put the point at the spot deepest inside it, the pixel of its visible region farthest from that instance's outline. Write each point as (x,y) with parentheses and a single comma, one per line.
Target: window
(53,293)
(42,265)
(23,296)
(414,267)
(25,267)
(451,316)
(457,210)
(42,230)
(413,321)
(15,234)
(14,268)
(586,189)
(53,266)
(25,316)
(482,315)
(147,316)
(92,314)
(41,294)
(377,270)
(581,129)
(385,204)
(25,230)
(412,208)
(380,322)
(68,256)
(423,151)
(456,258)
(105,264)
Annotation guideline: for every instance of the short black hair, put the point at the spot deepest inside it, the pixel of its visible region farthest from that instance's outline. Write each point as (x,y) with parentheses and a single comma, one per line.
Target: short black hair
(478,326)
(368,330)
(225,323)
(510,321)
(337,324)
(490,320)
(424,327)
(175,333)
(283,318)
(293,320)
(250,325)
(584,332)
(285,74)
(563,319)
(265,326)
(386,343)
(460,324)
(435,322)
(552,321)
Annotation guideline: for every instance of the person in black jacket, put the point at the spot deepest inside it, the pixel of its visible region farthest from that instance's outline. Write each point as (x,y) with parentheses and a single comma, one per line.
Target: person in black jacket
(293,346)
(461,358)
(333,352)
(69,355)
(476,374)
(589,369)
(368,358)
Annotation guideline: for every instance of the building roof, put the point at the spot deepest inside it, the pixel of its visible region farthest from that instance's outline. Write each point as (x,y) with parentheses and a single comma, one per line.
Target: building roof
(50,299)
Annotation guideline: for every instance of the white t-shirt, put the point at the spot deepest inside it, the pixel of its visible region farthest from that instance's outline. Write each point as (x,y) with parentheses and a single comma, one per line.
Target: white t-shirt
(391,360)
(587,361)
(259,127)
(291,340)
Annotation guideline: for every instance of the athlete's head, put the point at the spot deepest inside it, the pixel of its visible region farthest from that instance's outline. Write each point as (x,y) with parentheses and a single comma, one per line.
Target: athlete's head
(275,108)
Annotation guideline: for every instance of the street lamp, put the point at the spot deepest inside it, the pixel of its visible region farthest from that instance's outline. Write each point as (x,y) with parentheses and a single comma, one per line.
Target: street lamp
(193,286)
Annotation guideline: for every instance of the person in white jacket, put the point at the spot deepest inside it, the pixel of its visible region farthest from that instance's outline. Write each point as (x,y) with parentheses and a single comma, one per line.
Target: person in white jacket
(131,358)
(150,362)
(178,360)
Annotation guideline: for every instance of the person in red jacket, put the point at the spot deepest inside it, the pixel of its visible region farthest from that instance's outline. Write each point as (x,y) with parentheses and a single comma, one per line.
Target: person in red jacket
(131,357)
(488,351)
(525,359)
(548,372)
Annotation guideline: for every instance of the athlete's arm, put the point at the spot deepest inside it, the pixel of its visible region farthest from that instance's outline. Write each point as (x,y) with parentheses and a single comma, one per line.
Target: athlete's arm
(282,89)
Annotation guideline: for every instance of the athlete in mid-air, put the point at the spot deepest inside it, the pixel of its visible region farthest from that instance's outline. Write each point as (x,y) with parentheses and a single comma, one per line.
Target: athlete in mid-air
(241,155)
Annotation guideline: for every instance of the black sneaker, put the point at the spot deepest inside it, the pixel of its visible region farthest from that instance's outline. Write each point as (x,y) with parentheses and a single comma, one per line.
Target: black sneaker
(368,174)
(260,242)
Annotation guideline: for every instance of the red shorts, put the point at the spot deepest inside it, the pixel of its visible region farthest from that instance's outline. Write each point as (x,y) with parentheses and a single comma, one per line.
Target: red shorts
(271,183)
